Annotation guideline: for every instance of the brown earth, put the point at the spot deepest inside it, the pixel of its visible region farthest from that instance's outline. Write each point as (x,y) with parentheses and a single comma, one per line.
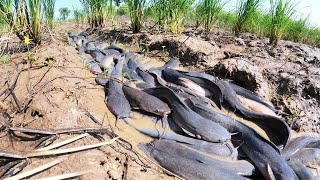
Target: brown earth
(64,91)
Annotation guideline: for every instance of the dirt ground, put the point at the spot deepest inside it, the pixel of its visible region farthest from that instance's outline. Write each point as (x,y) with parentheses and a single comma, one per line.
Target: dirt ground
(63,91)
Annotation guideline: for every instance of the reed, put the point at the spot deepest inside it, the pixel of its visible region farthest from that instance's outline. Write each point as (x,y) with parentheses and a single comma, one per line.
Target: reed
(281,12)
(97,12)
(23,17)
(49,6)
(207,12)
(245,10)
(136,14)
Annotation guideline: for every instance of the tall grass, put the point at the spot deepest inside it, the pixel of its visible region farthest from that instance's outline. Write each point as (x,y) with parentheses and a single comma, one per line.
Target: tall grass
(172,15)
(48,6)
(245,10)
(136,12)
(207,12)
(281,13)
(79,15)
(97,12)
(23,17)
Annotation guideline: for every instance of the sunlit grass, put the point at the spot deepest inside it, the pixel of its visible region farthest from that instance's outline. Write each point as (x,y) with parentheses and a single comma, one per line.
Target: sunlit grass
(136,14)
(207,12)
(245,10)
(23,17)
(96,11)
(48,6)
(281,12)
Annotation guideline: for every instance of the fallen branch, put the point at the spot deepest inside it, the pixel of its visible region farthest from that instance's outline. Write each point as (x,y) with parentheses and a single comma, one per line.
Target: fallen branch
(69,150)
(35,171)
(53,146)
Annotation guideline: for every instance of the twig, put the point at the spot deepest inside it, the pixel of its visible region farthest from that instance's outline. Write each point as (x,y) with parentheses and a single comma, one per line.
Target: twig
(53,146)
(69,150)
(35,170)
(57,131)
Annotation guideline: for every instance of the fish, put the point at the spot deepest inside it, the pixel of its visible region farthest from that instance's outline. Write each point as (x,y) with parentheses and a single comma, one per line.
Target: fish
(240,167)
(173,76)
(277,130)
(301,170)
(297,144)
(186,168)
(251,95)
(146,102)
(307,156)
(261,152)
(146,77)
(192,123)
(116,100)
(106,61)
(220,149)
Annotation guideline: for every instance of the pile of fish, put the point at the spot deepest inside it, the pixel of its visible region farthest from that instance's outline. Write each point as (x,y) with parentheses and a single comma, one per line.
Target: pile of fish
(203,138)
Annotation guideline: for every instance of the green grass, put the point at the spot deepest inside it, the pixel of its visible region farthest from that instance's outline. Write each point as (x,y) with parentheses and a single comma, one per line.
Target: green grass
(136,14)
(48,6)
(97,12)
(79,15)
(207,12)
(172,15)
(23,17)
(245,11)
(281,12)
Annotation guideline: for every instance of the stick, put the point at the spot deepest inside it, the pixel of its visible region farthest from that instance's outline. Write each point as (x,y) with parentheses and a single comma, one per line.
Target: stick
(53,146)
(69,150)
(35,170)
(65,176)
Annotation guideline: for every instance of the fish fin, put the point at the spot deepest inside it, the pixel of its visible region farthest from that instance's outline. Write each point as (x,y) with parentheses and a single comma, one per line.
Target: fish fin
(188,132)
(270,172)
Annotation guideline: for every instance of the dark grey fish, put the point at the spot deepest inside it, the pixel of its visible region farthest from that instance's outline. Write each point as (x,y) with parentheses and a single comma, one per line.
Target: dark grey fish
(146,102)
(240,167)
(301,170)
(146,77)
(95,53)
(220,149)
(307,156)
(172,63)
(130,74)
(95,68)
(174,76)
(186,168)
(296,145)
(188,120)
(115,48)
(260,151)
(277,130)
(102,79)
(116,100)
(251,95)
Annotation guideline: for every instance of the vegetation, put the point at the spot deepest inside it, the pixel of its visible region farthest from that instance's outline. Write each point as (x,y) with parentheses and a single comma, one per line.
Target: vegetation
(245,10)
(136,12)
(64,13)
(97,12)
(281,13)
(49,11)
(79,15)
(172,15)
(23,17)
(208,11)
